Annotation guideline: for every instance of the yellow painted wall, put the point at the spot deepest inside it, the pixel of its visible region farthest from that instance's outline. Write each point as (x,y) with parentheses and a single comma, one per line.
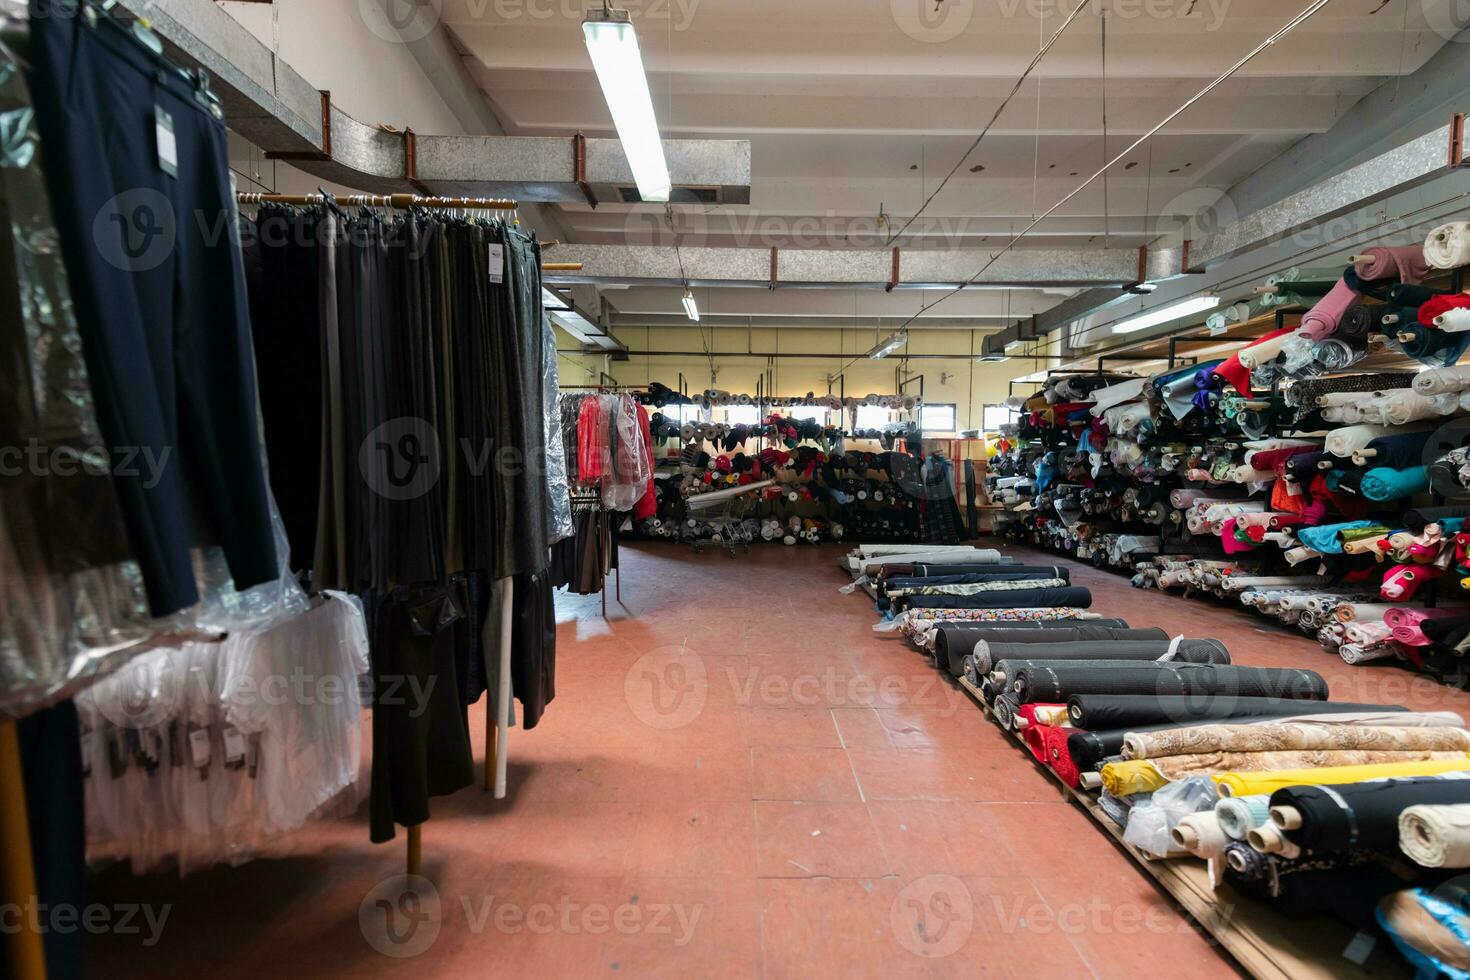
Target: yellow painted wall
(972,384)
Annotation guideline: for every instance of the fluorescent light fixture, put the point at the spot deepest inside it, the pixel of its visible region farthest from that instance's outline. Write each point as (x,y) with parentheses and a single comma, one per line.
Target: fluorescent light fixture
(691,309)
(888,346)
(1173,311)
(552,303)
(613,46)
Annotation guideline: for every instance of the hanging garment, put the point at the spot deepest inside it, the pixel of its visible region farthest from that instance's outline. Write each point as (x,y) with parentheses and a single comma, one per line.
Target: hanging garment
(559,505)
(421,739)
(160,301)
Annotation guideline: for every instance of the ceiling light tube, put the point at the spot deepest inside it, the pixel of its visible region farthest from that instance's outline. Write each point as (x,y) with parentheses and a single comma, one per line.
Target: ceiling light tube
(691,309)
(888,346)
(1173,311)
(613,46)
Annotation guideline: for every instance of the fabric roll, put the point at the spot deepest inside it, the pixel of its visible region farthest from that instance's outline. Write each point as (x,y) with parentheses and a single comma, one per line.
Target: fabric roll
(1286,736)
(1255,783)
(1405,263)
(1418,519)
(1321,320)
(1342,442)
(1070,597)
(1049,745)
(1239,815)
(1382,483)
(930,570)
(1430,929)
(1061,680)
(1135,776)
(1201,834)
(1436,381)
(989,652)
(1011,573)
(1397,452)
(1102,712)
(956,641)
(1436,835)
(1339,817)
(1448,246)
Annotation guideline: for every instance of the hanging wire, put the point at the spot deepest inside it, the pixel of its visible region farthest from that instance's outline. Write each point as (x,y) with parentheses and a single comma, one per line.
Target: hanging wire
(1278,35)
(1041,53)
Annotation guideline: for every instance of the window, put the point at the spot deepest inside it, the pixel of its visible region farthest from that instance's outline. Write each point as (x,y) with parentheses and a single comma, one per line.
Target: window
(996,416)
(803,412)
(741,415)
(873,416)
(937,418)
(683,413)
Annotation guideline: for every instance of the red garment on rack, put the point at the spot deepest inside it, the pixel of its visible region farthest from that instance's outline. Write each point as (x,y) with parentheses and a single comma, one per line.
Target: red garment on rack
(591,441)
(647,505)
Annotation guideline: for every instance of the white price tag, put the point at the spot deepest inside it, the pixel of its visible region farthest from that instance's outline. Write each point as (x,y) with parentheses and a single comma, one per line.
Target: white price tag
(234,747)
(168,144)
(199,747)
(497,263)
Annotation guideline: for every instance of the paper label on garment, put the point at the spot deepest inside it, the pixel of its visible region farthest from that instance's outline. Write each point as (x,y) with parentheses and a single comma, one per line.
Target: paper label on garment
(234,748)
(168,144)
(86,756)
(199,747)
(1360,948)
(497,263)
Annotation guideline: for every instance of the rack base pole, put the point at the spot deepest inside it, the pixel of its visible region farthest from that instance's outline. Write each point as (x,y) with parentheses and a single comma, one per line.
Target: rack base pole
(502,698)
(416,849)
(24,951)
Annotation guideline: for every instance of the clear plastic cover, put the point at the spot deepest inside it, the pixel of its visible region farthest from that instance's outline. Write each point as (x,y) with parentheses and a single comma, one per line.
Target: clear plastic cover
(625,480)
(72,603)
(1151,824)
(559,514)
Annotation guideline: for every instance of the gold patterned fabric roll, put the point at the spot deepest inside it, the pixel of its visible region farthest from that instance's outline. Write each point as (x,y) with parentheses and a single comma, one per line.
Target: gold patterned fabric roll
(1290,737)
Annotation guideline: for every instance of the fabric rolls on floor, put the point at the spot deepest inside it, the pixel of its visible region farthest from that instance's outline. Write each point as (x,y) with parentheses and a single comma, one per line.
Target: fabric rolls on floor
(954,641)
(1049,745)
(921,569)
(1062,680)
(1072,597)
(1331,818)
(1147,775)
(1436,835)
(1255,783)
(959,556)
(1282,737)
(998,573)
(1098,712)
(988,653)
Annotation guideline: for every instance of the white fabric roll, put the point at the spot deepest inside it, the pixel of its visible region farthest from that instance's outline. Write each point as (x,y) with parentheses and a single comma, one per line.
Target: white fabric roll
(1436,836)
(1106,398)
(1437,380)
(1448,246)
(1343,442)
(1454,321)
(1264,352)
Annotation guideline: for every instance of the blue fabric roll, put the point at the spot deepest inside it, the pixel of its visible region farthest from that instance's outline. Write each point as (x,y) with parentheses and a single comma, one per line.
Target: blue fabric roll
(1386,483)
(1324,537)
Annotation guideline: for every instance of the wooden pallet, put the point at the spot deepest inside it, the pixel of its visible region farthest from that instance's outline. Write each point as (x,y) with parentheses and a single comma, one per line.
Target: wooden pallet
(1267,945)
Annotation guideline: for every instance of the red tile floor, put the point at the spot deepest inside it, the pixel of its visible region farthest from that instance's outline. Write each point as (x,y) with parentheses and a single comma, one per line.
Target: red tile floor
(738,778)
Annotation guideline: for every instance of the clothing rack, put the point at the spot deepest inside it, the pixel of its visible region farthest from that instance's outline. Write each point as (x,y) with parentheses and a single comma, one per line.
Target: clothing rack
(402,201)
(593,498)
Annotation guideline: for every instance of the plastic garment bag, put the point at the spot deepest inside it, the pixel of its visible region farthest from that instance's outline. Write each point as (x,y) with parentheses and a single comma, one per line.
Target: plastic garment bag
(625,478)
(559,509)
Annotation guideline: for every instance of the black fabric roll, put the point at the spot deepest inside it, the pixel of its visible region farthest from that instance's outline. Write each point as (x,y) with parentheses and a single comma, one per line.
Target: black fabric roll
(1361,815)
(955,641)
(1399,452)
(1089,749)
(922,570)
(1355,325)
(1101,712)
(1073,596)
(1103,648)
(1058,680)
(1440,630)
(1303,466)
(1405,294)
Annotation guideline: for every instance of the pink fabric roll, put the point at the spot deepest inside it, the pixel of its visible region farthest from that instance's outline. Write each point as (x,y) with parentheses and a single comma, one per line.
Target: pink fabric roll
(1402,581)
(1322,320)
(1404,263)
(1270,459)
(1232,545)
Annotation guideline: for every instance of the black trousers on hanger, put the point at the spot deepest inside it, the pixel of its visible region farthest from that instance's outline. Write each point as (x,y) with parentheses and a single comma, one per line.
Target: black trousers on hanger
(972,513)
(159,289)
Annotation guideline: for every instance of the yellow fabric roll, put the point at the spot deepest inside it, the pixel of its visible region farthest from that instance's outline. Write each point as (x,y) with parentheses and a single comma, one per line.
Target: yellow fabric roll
(1127,778)
(1256,783)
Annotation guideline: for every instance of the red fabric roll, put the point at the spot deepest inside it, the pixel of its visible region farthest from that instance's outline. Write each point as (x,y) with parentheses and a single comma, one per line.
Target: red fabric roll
(1437,305)
(1049,744)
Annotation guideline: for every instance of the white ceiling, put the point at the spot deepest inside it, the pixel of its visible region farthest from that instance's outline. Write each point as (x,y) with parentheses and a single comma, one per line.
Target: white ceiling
(861,105)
